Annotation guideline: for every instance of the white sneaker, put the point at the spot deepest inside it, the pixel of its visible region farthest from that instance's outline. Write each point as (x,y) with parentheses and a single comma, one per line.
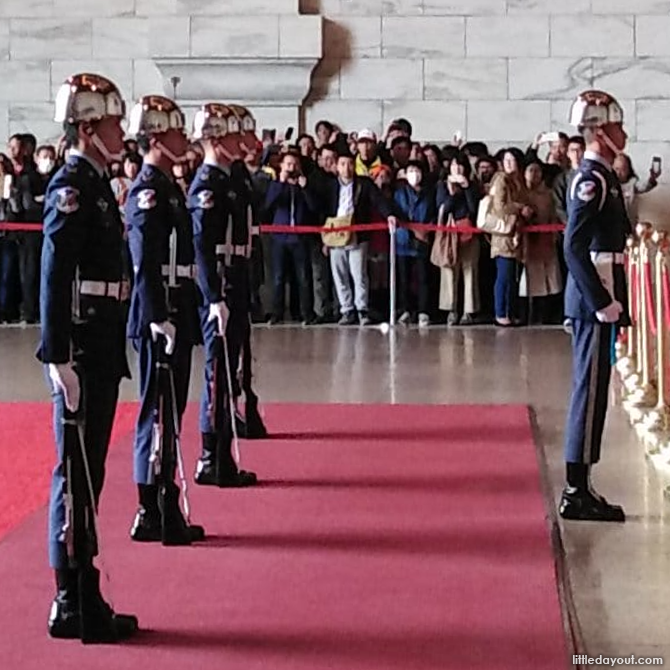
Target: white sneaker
(424,320)
(405,318)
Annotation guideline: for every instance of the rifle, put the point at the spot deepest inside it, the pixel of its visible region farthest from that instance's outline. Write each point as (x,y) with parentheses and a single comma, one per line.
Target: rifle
(166,454)
(80,531)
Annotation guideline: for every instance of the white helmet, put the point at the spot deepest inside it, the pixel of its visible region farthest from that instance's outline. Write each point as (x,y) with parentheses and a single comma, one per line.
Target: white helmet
(593,109)
(155,114)
(211,120)
(88,97)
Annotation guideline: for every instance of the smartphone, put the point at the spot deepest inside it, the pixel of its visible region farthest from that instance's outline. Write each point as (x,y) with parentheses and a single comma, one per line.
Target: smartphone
(458,137)
(269,136)
(656,165)
(289,134)
(7,187)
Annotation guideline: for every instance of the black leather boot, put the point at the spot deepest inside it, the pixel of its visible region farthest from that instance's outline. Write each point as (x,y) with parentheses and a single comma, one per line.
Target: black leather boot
(205,473)
(80,612)
(99,623)
(579,502)
(147,524)
(175,530)
(230,476)
(64,615)
(255,428)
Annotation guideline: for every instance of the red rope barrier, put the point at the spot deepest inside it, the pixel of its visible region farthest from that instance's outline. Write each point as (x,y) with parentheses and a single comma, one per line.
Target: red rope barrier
(649,294)
(666,294)
(635,291)
(356,228)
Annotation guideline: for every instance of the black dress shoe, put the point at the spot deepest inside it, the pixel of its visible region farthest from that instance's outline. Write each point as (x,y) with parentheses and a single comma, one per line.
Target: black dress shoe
(238,480)
(586,505)
(255,428)
(88,618)
(146,527)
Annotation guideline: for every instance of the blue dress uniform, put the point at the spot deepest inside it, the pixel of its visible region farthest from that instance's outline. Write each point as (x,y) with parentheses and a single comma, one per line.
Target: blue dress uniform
(156,214)
(83,238)
(594,243)
(221,206)
(83,321)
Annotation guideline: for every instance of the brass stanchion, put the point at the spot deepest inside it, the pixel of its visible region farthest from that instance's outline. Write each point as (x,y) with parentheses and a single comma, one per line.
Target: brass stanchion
(657,422)
(640,391)
(627,363)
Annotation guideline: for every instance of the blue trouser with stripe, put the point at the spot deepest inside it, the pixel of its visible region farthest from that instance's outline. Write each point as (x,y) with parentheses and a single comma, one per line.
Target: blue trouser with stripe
(591,368)
(180,362)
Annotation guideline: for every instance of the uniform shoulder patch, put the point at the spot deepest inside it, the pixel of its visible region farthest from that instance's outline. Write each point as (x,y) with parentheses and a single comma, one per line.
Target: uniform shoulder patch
(146,199)
(205,199)
(67,199)
(586,190)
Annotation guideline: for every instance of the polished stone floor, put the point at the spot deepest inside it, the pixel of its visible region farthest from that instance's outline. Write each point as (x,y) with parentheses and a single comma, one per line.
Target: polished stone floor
(618,574)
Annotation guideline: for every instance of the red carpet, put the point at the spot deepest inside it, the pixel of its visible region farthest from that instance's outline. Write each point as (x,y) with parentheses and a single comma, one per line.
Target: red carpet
(384,538)
(27,456)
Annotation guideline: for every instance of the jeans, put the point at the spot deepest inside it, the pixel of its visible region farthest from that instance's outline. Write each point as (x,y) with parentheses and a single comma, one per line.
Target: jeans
(297,254)
(406,267)
(505,287)
(346,264)
(9,278)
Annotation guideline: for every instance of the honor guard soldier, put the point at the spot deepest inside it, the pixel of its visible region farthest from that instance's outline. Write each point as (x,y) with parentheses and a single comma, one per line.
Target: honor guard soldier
(164,319)
(595,296)
(250,425)
(222,220)
(83,348)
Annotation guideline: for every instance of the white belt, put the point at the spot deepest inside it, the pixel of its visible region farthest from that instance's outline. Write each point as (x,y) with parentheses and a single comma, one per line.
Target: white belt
(183,271)
(100,289)
(607,257)
(233,250)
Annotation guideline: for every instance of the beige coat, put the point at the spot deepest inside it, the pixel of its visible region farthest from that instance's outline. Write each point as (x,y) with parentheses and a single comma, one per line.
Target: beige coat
(542,273)
(508,196)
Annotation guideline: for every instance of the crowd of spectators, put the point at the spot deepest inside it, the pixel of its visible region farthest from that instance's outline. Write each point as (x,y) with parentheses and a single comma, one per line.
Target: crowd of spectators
(331,175)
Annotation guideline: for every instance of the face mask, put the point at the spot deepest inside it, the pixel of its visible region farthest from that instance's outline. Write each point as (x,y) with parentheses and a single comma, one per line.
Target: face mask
(414,178)
(45,165)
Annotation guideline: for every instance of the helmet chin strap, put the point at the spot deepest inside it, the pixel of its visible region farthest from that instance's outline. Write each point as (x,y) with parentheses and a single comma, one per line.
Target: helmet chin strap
(168,154)
(602,135)
(103,150)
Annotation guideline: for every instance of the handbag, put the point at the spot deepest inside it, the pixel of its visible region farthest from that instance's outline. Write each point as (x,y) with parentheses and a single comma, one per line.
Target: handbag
(490,223)
(444,253)
(341,238)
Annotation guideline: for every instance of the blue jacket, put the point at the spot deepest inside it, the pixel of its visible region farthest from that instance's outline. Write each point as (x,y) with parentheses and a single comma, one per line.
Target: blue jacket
(154,209)
(462,205)
(415,207)
(597,222)
(290,205)
(83,233)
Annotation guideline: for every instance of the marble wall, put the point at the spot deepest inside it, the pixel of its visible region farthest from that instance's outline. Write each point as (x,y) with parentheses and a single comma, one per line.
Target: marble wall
(497,70)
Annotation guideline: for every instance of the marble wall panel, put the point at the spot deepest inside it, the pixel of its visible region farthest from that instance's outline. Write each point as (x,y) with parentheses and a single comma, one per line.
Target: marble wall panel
(548,78)
(507,120)
(120,71)
(121,38)
(521,36)
(45,38)
(592,36)
(423,37)
(300,37)
(651,35)
(466,79)
(24,81)
(382,79)
(249,7)
(464,7)
(347,37)
(235,36)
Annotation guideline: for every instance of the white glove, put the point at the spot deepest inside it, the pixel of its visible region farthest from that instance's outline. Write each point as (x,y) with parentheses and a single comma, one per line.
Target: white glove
(168,331)
(393,224)
(611,313)
(65,379)
(220,312)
